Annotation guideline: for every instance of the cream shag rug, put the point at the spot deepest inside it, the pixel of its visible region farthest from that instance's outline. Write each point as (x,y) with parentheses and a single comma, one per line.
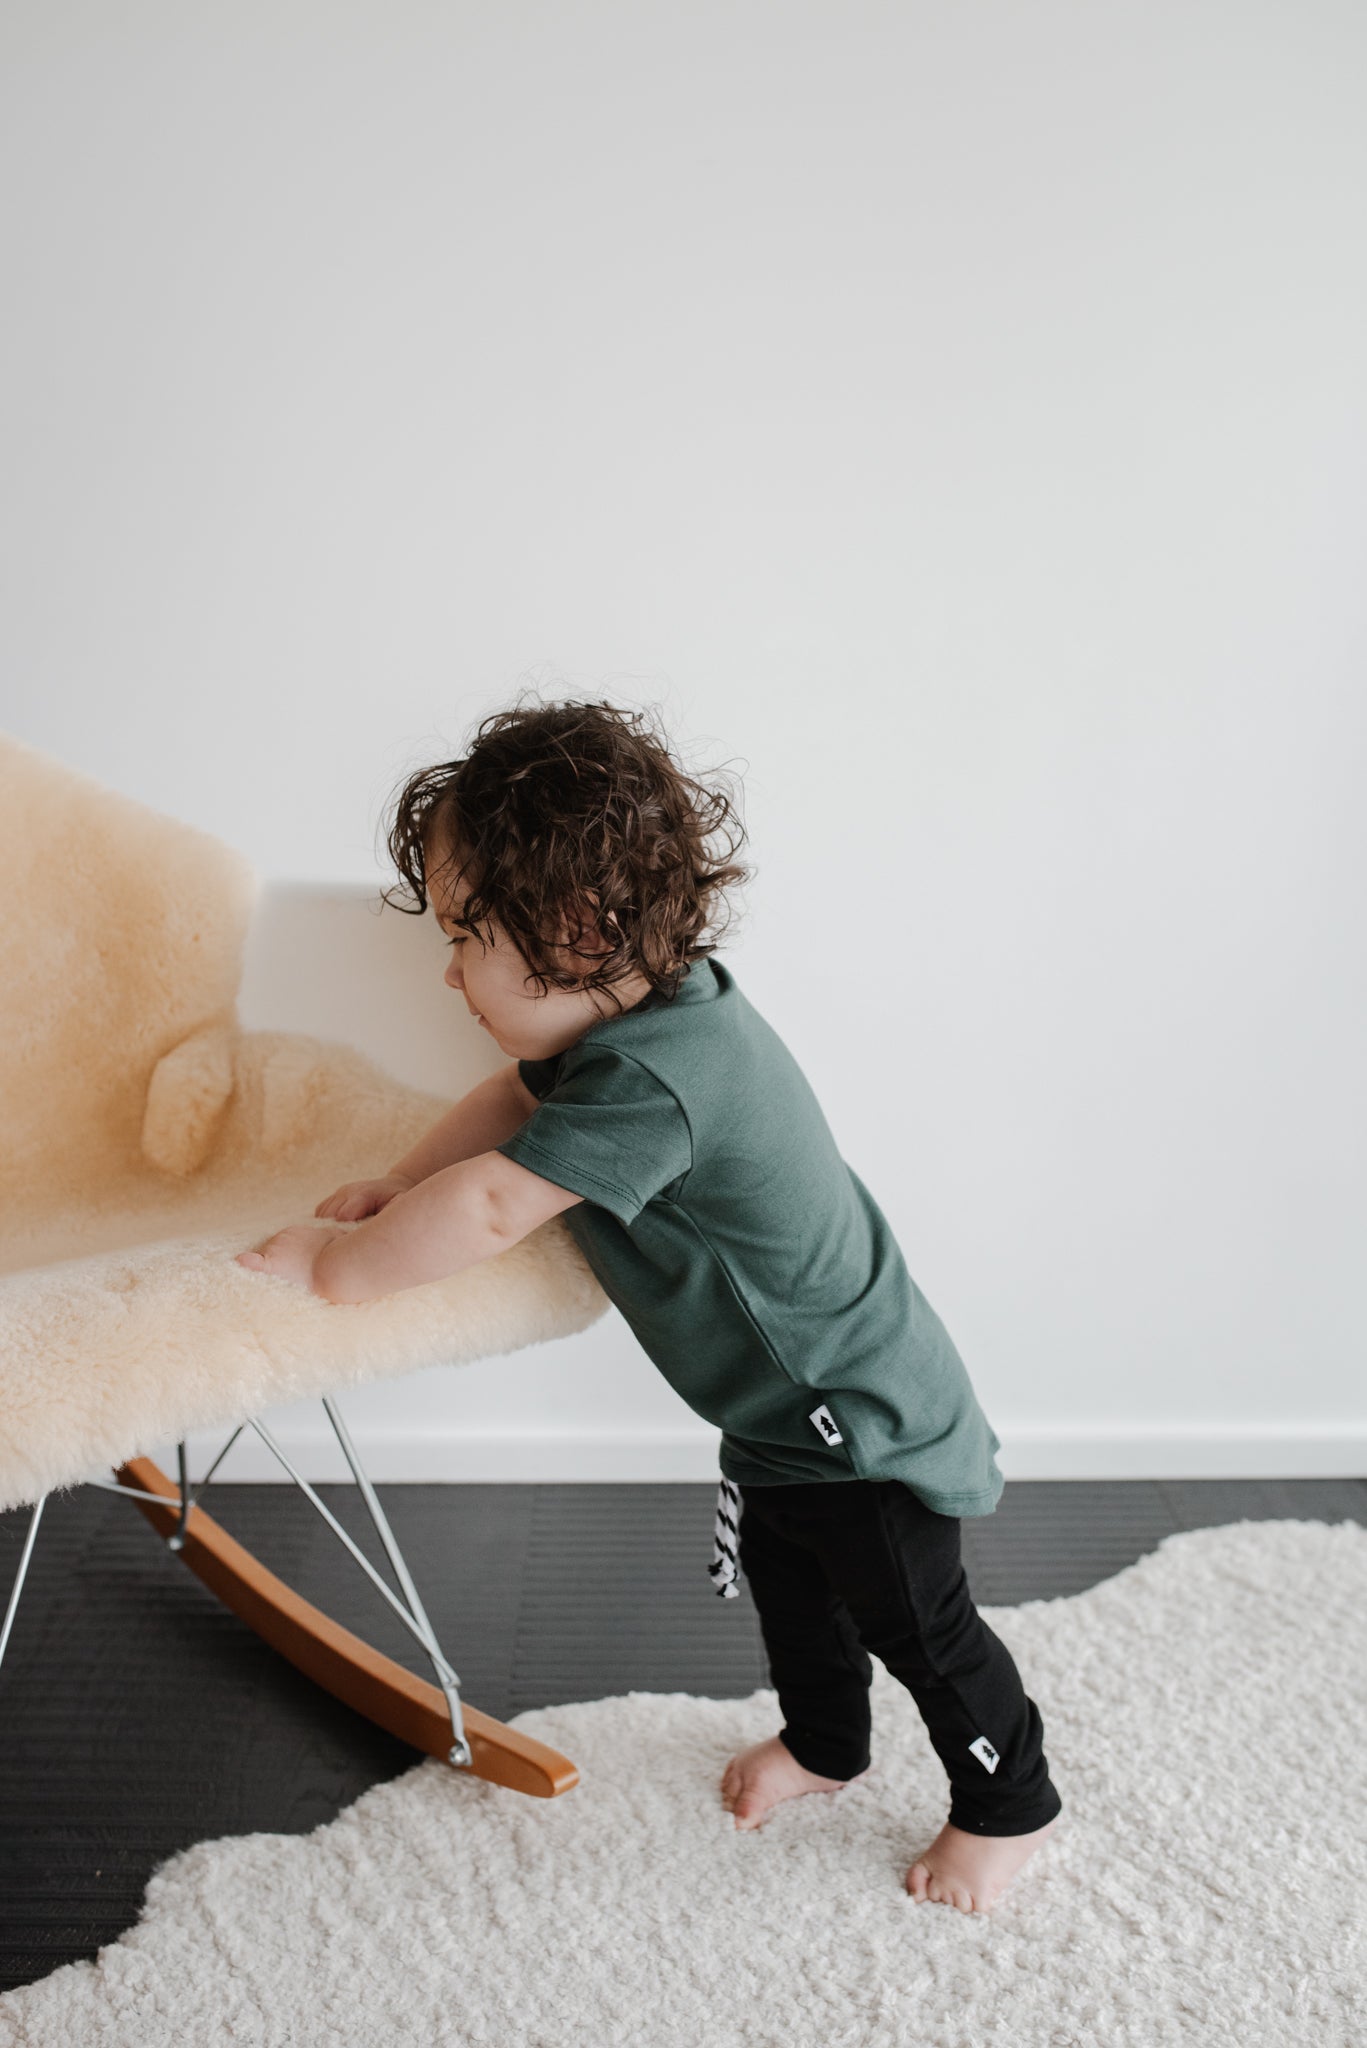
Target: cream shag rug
(1204,1720)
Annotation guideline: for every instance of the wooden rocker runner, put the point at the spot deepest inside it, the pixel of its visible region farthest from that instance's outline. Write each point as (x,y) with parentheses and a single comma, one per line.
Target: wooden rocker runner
(147,1139)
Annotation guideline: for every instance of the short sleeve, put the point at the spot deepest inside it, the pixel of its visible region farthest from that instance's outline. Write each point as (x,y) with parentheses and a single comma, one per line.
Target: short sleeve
(608,1129)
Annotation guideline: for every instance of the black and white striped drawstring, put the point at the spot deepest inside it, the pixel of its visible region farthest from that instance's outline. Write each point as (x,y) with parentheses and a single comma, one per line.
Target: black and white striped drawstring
(724,1569)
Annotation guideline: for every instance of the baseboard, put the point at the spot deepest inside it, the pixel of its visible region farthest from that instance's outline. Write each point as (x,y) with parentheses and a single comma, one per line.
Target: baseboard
(456,1457)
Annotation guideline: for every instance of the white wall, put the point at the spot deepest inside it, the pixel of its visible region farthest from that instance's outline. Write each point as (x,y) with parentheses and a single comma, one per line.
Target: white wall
(953,417)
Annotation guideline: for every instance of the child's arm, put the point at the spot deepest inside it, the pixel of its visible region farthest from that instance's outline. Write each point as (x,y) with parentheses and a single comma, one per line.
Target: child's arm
(451,1219)
(480,1122)
(491,1112)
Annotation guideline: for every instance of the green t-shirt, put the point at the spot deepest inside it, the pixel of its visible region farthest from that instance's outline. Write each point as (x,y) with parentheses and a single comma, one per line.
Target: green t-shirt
(752,1263)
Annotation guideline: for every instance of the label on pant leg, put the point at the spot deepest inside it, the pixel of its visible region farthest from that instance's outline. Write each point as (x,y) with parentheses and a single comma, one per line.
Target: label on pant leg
(825,1423)
(987,1756)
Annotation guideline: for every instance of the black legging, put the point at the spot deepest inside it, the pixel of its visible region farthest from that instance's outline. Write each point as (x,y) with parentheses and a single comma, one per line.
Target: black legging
(838,1568)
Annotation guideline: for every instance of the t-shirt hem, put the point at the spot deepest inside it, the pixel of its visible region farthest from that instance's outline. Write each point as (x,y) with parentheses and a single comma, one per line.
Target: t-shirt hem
(959,1505)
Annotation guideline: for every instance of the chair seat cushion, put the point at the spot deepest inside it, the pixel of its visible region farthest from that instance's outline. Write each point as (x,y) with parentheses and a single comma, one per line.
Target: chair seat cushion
(125,1321)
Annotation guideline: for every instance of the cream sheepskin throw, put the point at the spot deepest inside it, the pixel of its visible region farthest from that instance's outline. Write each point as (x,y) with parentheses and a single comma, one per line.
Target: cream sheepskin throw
(147,1139)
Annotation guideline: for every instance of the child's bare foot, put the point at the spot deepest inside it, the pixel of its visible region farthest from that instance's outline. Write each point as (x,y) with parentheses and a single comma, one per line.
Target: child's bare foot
(971,1871)
(766,1774)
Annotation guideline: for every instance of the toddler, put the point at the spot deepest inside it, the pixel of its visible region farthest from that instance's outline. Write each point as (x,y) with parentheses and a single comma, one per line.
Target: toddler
(572,863)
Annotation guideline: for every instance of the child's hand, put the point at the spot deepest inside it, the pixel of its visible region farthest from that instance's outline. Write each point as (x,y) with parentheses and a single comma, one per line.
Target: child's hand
(363,1197)
(290,1254)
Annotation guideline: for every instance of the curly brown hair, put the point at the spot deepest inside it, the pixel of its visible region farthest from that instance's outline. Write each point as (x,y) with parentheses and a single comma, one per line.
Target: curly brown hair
(555,803)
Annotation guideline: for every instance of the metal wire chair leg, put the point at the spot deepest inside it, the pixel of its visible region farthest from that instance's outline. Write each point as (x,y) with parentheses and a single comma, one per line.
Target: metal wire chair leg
(460,1752)
(21,1574)
(447,1679)
(176,1539)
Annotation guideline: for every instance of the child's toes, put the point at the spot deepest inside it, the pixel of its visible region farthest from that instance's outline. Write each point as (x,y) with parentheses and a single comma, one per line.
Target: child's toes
(918,1881)
(734,1797)
(740,1799)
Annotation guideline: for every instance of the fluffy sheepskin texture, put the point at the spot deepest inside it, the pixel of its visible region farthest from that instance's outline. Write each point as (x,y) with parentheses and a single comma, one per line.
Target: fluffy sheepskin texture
(1205,1886)
(147,1139)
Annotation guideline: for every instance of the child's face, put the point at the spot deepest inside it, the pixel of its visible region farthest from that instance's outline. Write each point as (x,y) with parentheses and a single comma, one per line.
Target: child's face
(492,976)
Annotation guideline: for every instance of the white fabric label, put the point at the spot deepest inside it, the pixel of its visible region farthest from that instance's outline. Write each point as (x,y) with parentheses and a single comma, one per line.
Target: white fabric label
(987,1756)
(825,1423)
